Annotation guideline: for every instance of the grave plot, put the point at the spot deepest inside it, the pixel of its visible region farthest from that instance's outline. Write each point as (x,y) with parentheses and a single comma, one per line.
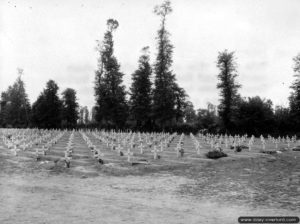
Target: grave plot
(30,145)
(48,148)
(91,148)
(240,146)
(109,151)
(81,155)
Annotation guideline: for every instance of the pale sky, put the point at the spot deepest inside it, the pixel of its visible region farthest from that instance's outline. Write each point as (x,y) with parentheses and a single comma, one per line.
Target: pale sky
(56,40)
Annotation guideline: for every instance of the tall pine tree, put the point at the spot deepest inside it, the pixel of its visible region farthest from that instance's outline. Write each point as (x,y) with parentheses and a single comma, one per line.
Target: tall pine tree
(295,95)
(180,102)
(111,106)
(69,108)
(15,106)
(228,89)
(140,99)
(164,99)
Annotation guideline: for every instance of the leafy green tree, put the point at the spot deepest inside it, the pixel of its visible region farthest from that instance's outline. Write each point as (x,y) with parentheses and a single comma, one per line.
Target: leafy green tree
(255,116)
(282,120)
(207,120)
(83,115)
(69,108)
(165,109)
(15,106)
(111,105)
(228,89)
(180,102)
(86,116)
(93,114)
(295,96)
(190,115)
(140,96)
(46,110)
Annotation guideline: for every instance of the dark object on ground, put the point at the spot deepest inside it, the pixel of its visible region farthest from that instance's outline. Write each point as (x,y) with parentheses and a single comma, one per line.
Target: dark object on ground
(238,148)
(244,147)
(140,162)
(269,152)
(101,161)
(297,148)
(67,163)
(181,151)
(215,154)
(121,153)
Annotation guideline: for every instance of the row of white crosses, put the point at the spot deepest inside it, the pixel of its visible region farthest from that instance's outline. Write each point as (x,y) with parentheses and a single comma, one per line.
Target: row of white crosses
(164,141)
(94,149)
(130,154)
(235,141)
(22,139)
(280,140)
(16,138)
(50,140)
(208,139)
(110,141)
(196,143)
(69,150)
(251,142)
(287,140)
(119,141)
(140,143)
(263,142)
(179,147)
(124,141)
(129,142)
(216,141)
(154,141)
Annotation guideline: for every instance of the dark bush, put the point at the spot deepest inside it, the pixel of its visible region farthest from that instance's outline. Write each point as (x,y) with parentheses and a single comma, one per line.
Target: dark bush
(215,154)
(238,149)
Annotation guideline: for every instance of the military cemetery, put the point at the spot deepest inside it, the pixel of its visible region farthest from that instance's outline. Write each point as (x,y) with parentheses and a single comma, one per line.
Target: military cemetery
(180,112)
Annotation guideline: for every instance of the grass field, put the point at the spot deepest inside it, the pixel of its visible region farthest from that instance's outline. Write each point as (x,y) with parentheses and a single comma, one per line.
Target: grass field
(188,189)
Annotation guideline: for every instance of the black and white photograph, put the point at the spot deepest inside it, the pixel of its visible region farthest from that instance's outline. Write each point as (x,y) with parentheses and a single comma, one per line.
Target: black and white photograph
(149,111)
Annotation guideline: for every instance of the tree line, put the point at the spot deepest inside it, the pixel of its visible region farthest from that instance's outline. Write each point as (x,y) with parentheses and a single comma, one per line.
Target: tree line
(155,101)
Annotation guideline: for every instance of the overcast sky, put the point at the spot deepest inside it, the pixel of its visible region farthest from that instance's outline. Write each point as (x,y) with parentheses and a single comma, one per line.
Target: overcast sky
(56,40)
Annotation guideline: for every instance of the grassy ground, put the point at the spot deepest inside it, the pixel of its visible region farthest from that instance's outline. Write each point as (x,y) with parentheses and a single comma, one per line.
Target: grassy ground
(192,189)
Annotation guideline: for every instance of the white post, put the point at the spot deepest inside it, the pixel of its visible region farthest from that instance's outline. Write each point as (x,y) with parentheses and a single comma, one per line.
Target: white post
(141,148)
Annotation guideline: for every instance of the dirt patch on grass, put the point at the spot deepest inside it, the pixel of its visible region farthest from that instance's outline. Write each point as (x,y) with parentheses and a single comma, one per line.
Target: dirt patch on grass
(270,182)
(204,191)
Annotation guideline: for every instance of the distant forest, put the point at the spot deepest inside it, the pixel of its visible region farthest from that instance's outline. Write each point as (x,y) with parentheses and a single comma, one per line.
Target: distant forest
(158,105)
